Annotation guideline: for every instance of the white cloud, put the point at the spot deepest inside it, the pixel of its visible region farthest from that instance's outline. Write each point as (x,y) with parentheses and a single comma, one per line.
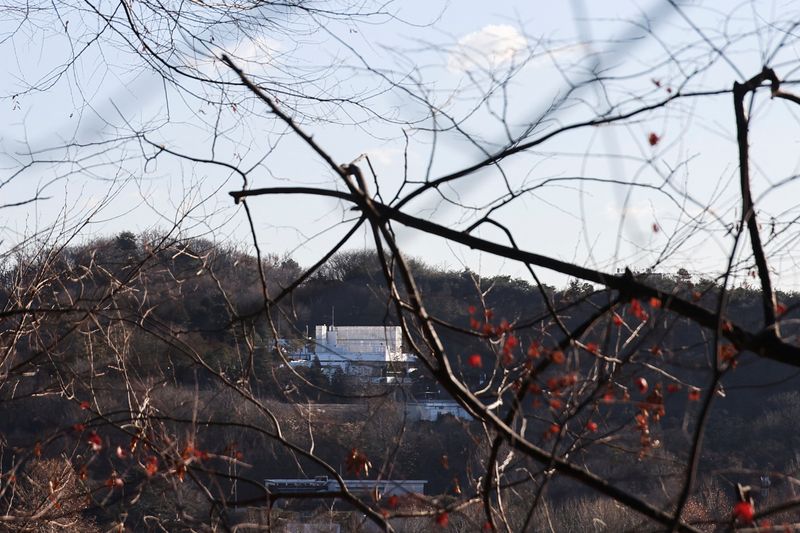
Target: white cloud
(253,55)
(384,156)
(258,51)
(487,49)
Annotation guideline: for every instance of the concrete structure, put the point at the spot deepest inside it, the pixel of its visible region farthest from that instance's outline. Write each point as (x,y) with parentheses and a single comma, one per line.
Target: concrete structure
(373,352)
(359,344)
(323,486)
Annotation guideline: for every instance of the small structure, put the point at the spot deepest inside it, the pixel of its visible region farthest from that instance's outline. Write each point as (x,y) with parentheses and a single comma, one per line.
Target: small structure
(368,351)
(343,345)
(324,487)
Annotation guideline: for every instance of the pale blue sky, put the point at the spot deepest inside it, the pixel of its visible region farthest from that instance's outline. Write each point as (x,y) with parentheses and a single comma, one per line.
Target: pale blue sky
(432,49)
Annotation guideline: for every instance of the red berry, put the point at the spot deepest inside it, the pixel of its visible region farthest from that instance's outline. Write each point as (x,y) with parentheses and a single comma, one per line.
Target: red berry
(744,511)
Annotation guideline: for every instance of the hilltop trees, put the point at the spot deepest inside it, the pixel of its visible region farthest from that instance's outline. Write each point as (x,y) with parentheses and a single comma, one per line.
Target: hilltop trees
(156,365)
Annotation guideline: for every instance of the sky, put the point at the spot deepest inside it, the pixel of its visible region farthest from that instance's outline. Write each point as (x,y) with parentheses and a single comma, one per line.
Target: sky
(660,207)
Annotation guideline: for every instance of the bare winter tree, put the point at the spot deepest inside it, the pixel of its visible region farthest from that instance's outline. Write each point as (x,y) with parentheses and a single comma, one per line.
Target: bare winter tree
(653,392)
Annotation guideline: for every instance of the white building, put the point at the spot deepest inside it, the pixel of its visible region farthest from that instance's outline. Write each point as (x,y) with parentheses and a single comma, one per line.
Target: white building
(359,346)
(375,352)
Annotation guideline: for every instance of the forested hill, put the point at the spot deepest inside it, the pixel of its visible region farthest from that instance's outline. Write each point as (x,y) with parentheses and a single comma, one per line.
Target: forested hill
(167,293)
(194,287)
(181,328)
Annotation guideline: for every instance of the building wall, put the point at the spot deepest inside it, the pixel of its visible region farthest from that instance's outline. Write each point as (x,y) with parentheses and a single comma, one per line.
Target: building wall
(359,344)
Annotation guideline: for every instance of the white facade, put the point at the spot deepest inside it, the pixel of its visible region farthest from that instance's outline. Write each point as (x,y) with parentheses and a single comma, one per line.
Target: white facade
(348,345)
